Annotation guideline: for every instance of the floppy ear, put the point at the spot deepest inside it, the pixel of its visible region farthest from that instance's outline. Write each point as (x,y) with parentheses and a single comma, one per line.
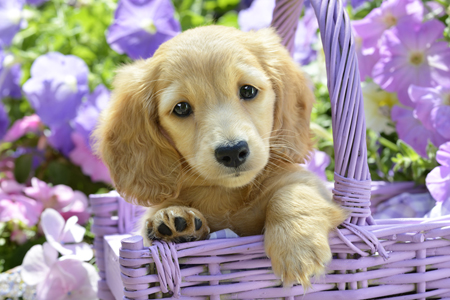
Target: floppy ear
(291,136)
(143,165)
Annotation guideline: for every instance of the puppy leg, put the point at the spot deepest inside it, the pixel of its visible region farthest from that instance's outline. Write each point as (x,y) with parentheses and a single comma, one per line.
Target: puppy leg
(296,232)
(177,224)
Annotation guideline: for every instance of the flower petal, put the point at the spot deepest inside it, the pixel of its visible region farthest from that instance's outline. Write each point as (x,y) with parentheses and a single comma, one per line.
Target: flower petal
(34,266)
(438,183)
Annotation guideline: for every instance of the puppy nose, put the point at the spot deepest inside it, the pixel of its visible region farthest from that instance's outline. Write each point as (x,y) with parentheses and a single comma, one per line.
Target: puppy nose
(233,156)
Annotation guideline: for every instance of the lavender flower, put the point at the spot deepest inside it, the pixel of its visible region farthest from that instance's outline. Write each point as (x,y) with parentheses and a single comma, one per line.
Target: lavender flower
(10,20)
(9,76)
(89,112)
(56,87)
(438,180)
(139,27)
(4,121)
(411,54)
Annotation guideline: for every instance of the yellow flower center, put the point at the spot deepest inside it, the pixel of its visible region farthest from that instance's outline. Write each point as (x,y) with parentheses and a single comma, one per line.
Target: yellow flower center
(148,25)
(416,58)
(446,98)
(387,99)
(389,20)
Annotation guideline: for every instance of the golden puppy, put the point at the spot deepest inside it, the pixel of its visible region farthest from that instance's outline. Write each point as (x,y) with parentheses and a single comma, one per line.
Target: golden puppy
(208,133)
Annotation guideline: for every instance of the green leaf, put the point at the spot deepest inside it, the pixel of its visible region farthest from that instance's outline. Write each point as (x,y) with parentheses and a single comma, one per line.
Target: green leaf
(22,167)
(229,19)
(58,173)
(190,19)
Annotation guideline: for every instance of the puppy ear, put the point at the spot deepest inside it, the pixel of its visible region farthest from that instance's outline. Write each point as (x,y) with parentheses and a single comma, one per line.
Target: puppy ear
(291,137)
(143,165)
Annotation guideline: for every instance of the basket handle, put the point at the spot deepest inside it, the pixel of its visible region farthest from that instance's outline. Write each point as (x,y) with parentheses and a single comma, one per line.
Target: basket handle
(352,176)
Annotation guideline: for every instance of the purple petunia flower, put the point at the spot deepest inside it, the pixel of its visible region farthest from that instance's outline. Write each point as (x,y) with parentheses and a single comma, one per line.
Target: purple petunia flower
(10,74)
(305,36)
(318,163)
(57,85)
(36,2)
(432,108)
(358,3)
(412,131)
(259,15)
(60,138)
(10,20)
(139,27)
(369,30)
(89,112)
(411,54)
(90,164)
(438,180)
(428,121)
(4,121)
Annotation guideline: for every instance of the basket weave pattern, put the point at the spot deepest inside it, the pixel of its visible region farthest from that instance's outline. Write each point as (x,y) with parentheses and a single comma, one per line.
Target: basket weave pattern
(390,259)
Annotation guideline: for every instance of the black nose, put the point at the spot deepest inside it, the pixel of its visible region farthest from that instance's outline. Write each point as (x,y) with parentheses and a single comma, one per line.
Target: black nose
(233,156)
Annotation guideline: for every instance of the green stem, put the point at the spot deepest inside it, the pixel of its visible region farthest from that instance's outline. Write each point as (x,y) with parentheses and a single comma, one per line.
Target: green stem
(388,144)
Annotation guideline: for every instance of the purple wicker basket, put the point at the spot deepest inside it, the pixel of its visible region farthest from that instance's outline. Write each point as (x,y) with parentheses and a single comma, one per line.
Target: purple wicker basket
(383,259)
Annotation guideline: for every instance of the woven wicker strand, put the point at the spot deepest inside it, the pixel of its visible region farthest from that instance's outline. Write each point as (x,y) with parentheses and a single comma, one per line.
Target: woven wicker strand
(112,215)
(418,249)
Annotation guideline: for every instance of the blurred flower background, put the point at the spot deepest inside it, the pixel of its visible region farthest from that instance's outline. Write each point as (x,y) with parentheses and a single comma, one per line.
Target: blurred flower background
(57,61)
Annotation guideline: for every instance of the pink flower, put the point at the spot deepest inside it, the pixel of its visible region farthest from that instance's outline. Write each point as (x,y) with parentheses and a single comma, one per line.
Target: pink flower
(412,54)
(11,187)
(18,236)
(60,197)
(58,279)
(23,126)
(89,163)
(18,207)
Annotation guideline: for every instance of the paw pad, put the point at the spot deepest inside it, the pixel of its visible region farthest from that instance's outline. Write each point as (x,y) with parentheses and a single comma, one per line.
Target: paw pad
(198,223)
(180,224)
(164,229)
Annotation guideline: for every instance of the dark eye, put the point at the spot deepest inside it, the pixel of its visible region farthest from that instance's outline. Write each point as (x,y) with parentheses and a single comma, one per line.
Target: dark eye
(248,92)
(182,109)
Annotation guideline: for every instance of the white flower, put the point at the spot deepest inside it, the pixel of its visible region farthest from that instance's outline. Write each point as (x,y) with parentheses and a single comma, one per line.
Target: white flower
(377,108)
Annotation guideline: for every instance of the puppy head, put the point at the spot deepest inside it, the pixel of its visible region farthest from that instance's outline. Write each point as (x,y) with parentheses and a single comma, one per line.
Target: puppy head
(214,104)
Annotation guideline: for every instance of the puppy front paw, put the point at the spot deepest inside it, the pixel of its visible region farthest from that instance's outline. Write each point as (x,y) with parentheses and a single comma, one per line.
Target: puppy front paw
(176,224)
(295,257)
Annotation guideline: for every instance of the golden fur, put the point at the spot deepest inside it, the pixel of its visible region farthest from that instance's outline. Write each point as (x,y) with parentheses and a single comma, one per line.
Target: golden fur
(160,160)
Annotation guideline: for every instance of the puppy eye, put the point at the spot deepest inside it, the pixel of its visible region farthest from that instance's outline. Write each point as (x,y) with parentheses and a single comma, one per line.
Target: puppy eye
(248,92)
(182,109)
